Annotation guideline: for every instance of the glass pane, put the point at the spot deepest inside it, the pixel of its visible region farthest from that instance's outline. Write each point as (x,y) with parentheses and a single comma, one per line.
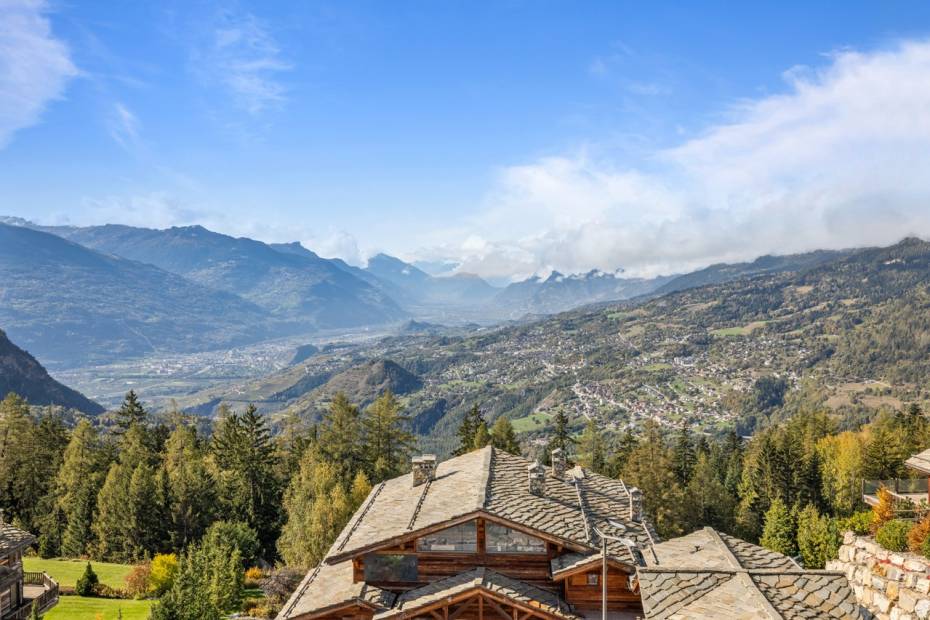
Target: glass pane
(380,567)
(460,538)
(502,539)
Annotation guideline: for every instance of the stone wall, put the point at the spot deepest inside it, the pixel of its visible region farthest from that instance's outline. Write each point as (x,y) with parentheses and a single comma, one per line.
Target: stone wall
(892,586)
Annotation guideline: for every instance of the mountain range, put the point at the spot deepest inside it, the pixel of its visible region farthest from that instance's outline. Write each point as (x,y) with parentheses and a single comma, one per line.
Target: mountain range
(22,374)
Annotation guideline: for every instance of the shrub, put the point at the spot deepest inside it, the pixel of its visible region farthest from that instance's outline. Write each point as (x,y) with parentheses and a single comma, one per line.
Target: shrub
(859,523)
(236,534)
(163,572)
(279,585)
(893,535)
(818,538)
(137,581)
(253,576)
(918,534)
(104,591)
(883,510)
(87,583)
(925,548)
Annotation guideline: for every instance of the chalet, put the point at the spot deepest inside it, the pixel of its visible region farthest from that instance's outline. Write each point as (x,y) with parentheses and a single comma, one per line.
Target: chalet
(489,534)
(913,493)
(19,590)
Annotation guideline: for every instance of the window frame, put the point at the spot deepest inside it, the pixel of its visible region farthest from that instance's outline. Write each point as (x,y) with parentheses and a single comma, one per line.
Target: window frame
(488,538)
(368,564)
(475,550)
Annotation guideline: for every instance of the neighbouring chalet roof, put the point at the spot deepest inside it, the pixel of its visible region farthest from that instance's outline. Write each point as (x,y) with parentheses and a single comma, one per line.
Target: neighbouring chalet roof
(570,563)
(13,538)
(495,483)
(329,587)
(920,461)
(707,575)
(495,584)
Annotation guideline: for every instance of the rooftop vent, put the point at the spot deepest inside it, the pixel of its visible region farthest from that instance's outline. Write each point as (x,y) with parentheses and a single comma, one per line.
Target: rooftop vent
(537,477)
(424,468)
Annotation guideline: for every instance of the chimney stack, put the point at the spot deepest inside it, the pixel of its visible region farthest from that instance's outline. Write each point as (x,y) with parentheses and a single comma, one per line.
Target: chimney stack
(636,505)
(537,476)
(558,463)
(424,468)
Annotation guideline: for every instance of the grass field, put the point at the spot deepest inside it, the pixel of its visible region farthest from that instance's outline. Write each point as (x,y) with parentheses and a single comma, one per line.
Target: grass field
(66,572)
(532,422)
(81,608)
(739,331)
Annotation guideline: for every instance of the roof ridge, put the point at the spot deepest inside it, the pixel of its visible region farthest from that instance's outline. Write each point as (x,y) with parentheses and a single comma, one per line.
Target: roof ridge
(727,552)
(753,588)
(361,515)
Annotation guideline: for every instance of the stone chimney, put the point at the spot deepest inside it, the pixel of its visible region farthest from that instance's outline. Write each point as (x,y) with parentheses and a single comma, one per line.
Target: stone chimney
(424,468)
(558,463)
(636,505)
(537,476)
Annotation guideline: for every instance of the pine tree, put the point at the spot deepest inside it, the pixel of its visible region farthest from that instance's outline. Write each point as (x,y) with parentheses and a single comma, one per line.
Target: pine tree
(482,436)
(779,532)
(388,443)
(467,430)
(708,502)
(685,456)
(17,446)
(192,496)
(623,447)
(503,436)
(130,412)
(818,538)
(341,437)
(592,452)
(651,469)
(76,487)
(561,434)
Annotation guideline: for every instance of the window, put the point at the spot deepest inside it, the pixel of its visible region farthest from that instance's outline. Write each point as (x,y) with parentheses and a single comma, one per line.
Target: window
(502,539)
(593,579)
(6,601)
(457,539)
(381,567)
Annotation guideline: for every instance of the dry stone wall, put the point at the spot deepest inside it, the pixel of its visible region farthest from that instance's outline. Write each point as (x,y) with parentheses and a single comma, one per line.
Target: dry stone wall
(891,586)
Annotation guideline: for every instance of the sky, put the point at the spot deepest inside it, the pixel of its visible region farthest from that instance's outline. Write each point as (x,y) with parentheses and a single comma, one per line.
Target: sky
(510,137)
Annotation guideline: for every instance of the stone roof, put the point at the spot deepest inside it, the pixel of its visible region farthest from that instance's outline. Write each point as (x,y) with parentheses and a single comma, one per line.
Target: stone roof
(486,580)
(495,483)
(330,586)
(13,538)
(707,575)
(920,461)
(564,565)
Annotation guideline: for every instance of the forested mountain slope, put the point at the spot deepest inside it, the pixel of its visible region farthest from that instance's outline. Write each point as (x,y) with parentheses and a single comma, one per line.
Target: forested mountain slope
(851,334)
(22,374)
(69,305)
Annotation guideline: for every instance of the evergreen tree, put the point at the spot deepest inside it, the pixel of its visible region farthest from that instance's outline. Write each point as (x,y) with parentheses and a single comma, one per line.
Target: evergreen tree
(86,584)
(818,538)
(341,438)
(709,503)
(17,444)
(684,455)
(623,447)
(467,430)
(592,452)
(482,436)
(75,491)
(191,496)
(779,532)
(130,412)
(208,585)
(503,436)
(650,468)
(388,443)
(561,434)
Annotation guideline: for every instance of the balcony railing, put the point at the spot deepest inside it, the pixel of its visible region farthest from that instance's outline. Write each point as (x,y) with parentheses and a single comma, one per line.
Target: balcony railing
(910,495)
(45,601)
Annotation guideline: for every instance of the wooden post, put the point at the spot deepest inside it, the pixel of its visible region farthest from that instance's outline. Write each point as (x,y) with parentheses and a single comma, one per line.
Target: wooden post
(480,607)
(480,536)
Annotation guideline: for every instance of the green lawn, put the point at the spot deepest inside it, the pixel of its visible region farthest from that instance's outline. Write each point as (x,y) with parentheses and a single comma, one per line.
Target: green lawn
(66,572)
(81,608)
(532,422)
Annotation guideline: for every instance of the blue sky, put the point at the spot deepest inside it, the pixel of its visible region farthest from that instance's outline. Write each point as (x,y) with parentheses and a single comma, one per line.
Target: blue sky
(514,137)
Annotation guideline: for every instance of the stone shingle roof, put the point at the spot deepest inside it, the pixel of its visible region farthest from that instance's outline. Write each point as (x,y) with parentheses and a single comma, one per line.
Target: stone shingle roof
(480,579)
(13,538)
(708,575)
(330,586)
(920,461)
(494,483)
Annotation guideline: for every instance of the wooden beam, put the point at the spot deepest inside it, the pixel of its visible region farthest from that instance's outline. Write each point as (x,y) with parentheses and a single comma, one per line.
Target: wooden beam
(480,607)
(458,612)
(499,609)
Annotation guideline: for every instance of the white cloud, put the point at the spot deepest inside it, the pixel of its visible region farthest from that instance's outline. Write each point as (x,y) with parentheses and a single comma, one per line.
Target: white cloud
(839,159)
(242,56)
(35,67)
(124,126)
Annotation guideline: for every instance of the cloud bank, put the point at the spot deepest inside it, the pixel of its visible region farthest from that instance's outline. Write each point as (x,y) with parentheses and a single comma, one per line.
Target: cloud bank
(35,67)
(841,159)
